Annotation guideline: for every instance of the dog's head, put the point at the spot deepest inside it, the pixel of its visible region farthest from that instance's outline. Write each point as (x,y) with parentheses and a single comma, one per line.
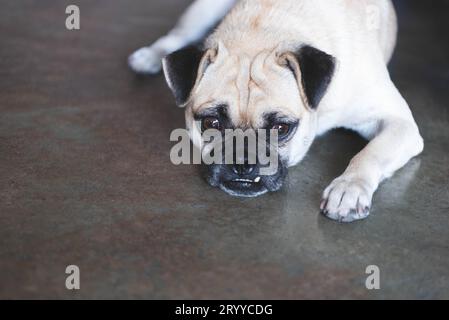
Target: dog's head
(268,91)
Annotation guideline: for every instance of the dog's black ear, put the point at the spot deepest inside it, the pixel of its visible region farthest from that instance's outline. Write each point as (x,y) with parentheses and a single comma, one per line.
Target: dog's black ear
(183,69)
(315,69)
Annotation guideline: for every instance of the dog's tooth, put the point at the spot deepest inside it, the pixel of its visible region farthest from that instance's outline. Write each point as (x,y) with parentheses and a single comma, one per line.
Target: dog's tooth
(257,180)
(242,180)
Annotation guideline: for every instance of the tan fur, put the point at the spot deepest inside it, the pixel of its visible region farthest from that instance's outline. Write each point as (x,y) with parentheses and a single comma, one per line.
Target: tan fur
(255,34)
(249,75)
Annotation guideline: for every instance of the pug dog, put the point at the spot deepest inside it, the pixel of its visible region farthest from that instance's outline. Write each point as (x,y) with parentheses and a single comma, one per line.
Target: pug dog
(301,67)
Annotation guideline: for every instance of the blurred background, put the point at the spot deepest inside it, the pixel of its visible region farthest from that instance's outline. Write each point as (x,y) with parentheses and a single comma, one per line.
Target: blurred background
(86,179)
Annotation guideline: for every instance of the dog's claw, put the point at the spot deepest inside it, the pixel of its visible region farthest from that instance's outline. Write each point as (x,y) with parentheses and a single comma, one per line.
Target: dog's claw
(323,204)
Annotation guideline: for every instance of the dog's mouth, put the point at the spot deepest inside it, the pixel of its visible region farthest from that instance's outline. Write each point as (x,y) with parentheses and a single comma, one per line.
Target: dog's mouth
(251,184)
(244,187)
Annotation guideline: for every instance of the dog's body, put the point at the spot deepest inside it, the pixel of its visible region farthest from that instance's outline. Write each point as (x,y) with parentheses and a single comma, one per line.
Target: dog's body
(320,63)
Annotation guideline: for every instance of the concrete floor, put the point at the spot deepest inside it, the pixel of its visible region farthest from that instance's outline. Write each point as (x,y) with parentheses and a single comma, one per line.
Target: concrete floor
(85,176)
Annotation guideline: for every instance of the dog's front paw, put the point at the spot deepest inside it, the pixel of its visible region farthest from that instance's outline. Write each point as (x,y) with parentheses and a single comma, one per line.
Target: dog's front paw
(347,199)
(146,60)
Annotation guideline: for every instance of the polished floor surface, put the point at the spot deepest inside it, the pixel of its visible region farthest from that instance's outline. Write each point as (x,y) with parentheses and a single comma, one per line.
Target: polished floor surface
(85,176)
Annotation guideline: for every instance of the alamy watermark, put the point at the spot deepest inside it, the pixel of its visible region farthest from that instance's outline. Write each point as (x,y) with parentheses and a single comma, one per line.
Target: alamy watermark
(73,22)
(373,17)
(72,282)
(372,282)
(230,146)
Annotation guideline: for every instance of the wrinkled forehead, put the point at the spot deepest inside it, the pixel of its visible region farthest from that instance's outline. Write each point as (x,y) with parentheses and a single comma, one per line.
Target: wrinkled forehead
(249,87)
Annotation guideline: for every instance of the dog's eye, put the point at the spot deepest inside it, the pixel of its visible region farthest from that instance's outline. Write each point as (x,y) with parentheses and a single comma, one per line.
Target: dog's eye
(210,123)
(282,128)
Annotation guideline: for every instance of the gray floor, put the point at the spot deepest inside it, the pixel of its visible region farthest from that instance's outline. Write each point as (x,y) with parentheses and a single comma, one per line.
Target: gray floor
(85,176)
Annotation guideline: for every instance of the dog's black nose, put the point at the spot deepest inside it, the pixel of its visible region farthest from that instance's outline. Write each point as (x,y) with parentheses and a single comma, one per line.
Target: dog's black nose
(243,169)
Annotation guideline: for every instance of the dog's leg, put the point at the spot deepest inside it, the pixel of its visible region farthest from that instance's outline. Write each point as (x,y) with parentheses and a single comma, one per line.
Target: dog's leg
(395,140)
(193,25)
